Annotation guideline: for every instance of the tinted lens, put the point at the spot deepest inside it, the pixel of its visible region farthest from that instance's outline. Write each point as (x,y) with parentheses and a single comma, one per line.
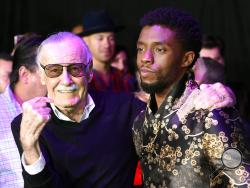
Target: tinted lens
(53,70)
(76,70)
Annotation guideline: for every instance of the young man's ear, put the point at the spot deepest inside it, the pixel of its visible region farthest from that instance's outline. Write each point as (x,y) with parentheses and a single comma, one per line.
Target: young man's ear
(23,73)
(188,59)
(89,71)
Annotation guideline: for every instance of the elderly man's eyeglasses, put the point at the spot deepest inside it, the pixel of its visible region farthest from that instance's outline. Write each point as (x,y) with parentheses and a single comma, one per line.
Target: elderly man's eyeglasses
(55,70)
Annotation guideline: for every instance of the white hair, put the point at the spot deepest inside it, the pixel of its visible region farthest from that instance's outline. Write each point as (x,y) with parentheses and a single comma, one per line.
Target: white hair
(60,37)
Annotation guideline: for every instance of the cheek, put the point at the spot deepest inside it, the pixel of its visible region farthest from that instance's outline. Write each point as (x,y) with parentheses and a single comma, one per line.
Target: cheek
(112,44)
(51,86)
(81,82)
(138,60)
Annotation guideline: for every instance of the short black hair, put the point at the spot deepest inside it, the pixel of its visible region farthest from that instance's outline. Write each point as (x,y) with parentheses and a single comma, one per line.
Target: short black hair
(5,56)
(187,28)
(25,55)
(213,41)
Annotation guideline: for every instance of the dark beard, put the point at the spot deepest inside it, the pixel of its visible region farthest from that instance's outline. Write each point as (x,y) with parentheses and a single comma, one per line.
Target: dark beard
(156,87)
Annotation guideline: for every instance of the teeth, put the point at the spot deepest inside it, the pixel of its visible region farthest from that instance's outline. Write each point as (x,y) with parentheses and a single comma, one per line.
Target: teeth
(69,89)
(66,91)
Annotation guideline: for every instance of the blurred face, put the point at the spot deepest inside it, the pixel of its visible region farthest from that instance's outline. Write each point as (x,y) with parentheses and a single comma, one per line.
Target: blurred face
(67,91)
(5,70)
(120,61)
(160,58)
(213,53)
(35,82)
(102,46)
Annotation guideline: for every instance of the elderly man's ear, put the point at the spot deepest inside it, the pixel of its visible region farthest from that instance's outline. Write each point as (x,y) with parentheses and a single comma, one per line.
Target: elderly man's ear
(89,71)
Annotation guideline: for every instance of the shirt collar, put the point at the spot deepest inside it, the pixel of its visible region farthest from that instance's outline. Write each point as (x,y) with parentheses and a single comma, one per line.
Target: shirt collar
(87,110)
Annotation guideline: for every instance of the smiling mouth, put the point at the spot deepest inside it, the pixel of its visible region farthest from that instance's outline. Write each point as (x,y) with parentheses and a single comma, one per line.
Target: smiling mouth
(66,91)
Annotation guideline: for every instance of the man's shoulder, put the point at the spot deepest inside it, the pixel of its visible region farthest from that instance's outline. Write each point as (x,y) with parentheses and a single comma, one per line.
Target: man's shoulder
(138,122)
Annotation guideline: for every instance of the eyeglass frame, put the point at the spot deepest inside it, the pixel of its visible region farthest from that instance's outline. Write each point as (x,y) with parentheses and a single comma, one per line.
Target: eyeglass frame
(62,65)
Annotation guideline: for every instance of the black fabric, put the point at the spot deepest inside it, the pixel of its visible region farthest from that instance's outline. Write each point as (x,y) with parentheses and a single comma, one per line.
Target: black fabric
(98,21)
(98,152)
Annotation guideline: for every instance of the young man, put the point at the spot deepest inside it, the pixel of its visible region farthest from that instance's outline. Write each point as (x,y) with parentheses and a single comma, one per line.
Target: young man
(99,34)
(178,145)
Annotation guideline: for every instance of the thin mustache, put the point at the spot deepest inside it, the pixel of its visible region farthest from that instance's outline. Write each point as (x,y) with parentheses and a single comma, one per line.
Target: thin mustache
(67,88)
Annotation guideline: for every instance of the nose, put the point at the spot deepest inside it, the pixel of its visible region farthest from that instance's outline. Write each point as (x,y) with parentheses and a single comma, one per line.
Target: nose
(106,43)
(147,57)
(66,77)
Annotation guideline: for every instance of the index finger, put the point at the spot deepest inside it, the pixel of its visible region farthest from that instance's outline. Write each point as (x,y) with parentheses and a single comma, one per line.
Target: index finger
(43,99)
(35,101)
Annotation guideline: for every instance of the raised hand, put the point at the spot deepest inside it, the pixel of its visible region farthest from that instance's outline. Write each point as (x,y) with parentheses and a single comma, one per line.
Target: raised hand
(214,96)
(35,116)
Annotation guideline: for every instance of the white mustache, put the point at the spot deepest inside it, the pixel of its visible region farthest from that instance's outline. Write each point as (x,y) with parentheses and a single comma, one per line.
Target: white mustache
(63,88)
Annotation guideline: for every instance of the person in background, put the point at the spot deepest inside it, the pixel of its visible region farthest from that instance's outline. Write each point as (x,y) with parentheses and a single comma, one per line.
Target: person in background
(5,70)
(120,59)
(213,47)
(25,84)
(99,34)
(208,71)
(178,144)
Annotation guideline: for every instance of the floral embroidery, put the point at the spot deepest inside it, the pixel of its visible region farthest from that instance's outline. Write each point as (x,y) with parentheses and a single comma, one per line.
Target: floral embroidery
(180,146)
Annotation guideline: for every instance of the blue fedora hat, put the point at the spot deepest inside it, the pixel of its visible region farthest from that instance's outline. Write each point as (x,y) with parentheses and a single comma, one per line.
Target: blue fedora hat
(98,21)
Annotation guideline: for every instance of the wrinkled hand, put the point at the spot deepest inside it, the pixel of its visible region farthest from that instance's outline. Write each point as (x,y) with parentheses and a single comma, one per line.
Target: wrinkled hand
(35,116)
(214,96)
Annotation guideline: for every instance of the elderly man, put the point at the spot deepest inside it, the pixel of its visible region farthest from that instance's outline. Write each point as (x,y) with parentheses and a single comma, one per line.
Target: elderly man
(178,144)
(87,139)
(75,137)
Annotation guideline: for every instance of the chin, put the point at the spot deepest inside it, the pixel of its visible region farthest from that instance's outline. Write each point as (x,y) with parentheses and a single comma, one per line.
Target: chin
(68,103)
(152,88)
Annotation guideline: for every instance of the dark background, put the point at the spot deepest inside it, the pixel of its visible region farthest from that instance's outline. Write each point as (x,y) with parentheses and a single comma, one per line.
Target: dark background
(228,18)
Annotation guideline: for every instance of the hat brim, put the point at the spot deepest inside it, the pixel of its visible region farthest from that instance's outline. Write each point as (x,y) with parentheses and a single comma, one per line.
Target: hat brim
(101,29)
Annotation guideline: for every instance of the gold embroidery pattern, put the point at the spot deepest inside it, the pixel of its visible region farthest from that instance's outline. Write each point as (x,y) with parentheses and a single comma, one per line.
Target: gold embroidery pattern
(181,147)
